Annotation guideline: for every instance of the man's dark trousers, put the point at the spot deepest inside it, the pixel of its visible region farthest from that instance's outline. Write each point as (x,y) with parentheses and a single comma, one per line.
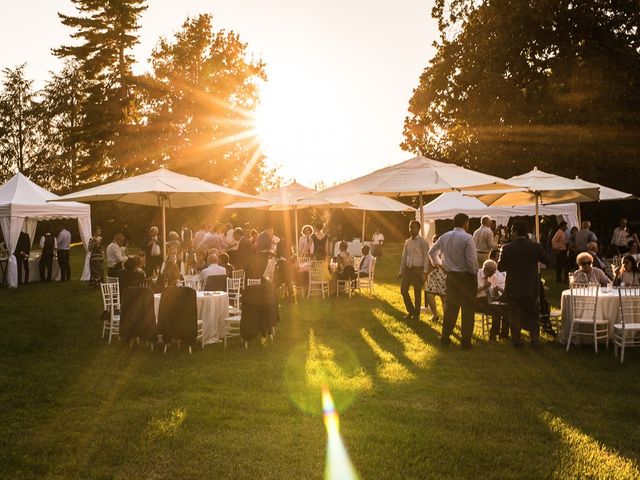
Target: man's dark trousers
(523,313)
(65,266)
(46,263)
(461,294)
(562,266)
(412,276)
(23,262)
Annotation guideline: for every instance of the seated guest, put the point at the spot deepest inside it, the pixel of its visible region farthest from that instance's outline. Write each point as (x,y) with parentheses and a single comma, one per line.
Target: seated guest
(628,274)
(169,277)
(491,284)
(365,262)
(345,262)
(633,250)
(223,261)
(213,269)
(132,275)
(587,273)
(592,248)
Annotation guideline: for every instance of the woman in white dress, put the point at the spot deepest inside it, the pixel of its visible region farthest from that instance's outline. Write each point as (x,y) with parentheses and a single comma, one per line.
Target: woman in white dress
(436,285)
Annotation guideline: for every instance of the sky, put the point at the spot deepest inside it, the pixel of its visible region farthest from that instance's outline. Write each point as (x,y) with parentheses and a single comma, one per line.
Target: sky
(341,72)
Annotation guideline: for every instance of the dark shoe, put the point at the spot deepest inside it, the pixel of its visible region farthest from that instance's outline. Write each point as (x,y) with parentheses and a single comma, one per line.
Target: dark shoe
(445,342)
(416,317)
(466,346)
(408,316)
(434,319)
(504,336)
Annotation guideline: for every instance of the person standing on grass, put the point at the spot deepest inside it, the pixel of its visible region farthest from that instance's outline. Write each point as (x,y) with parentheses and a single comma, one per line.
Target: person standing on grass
(48,245)
(519,259)
(64,244)
(23,249)
(484,240)
(461,266)
(559,245)
(115,257)
(414,267)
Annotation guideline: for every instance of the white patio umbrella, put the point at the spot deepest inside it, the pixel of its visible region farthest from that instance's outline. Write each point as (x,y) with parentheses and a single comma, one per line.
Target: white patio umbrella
(538,187)
(161,188)
(419,176)
(360,201)
(280,199)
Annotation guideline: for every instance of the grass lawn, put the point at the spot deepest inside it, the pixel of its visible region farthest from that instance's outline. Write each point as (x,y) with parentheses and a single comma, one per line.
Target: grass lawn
(74,407)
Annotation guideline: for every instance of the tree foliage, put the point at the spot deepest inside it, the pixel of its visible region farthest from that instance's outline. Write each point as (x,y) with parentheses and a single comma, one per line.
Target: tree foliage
(105,32)
(19,140)
(552,83)
(200,101)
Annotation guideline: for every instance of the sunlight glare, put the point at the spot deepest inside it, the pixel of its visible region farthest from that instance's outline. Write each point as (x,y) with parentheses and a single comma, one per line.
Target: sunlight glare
(337,465)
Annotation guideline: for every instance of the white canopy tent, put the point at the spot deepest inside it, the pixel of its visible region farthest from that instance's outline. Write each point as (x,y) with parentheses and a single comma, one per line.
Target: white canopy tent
(23,204)
(447,205)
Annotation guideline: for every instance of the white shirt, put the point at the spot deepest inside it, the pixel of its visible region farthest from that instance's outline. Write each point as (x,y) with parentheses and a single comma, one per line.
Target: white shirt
(377,238)
(64,239)
(114,255)
(365,264)
(213,269)
(231,242)
(305,245)
(483,238)
(620,237)
(495,280)
(197,238)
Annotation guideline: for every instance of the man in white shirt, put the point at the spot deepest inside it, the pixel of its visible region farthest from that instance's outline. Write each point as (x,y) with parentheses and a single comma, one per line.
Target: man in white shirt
(461,266)
(230,241)
(115,258)
(365,263)
(378,240)
(491,287)
(484,239)
(305,244)
(414,267)
(64,243)
(212,269)
(198,236)
(621,237)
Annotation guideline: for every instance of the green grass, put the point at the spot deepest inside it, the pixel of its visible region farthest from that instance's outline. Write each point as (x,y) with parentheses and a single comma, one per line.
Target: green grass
(74,407)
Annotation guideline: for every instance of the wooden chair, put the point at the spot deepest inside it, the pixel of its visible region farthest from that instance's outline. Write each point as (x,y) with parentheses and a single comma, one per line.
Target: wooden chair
(584,302)
(626,333)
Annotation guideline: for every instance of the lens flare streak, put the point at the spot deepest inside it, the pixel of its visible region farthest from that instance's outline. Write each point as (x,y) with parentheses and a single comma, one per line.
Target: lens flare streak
(337,464)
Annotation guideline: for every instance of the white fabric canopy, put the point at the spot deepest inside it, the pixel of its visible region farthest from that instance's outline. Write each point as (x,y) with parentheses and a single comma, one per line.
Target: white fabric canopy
(161,188)
(447,205)
(23,203)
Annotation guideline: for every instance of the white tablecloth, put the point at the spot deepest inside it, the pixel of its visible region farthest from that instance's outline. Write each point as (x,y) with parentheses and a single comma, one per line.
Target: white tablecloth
(354,248)
(608,308)
(34,270)
(213,308)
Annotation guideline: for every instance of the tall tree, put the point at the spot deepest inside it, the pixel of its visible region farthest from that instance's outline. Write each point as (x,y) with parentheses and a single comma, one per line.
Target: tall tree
(106,33)
(549,83)
(64,155)
(19,139)
(201,98)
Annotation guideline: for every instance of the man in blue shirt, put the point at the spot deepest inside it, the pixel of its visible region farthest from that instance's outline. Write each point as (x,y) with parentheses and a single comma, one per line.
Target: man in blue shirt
(461,266)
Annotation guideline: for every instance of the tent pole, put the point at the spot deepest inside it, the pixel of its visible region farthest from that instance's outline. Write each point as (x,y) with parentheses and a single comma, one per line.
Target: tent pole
(579,212)
(421,215)
(364,213)
(164,230)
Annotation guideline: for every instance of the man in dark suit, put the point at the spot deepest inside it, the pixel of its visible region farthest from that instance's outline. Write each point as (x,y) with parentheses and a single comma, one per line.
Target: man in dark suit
(519,259)
(244,252)
(23,249)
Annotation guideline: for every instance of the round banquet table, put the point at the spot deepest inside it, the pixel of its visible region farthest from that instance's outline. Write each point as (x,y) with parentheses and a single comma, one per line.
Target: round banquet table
(608,308)
(34,270)
(213,308)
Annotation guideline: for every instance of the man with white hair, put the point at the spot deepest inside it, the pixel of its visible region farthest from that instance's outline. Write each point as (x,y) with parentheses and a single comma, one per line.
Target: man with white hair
(491,287)
(484,239)
(213,268)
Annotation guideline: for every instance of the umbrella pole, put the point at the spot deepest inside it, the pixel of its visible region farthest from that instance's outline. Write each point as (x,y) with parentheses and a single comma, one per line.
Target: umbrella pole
(164,230)
(579,212)
(364,213)
(421,216)
(295,226)
(537,219)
